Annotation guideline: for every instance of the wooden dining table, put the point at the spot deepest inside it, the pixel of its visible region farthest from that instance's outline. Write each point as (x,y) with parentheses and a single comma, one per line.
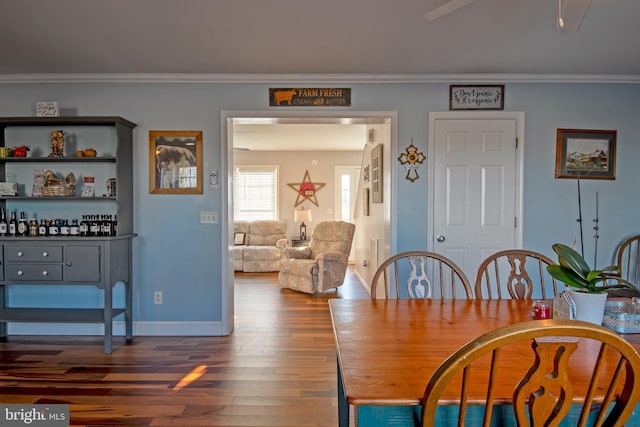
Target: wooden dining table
(387,351)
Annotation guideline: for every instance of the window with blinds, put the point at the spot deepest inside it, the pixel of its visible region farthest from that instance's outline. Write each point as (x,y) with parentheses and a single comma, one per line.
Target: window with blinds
(255,192)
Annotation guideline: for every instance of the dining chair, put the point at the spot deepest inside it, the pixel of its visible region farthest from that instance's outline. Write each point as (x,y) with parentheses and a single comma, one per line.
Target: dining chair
(425,274)
(628,259)
(515,274)
(545,394)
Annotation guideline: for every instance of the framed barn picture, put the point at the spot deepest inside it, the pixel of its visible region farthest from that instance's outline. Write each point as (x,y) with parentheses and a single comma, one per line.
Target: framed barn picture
(175,162)
(585,153)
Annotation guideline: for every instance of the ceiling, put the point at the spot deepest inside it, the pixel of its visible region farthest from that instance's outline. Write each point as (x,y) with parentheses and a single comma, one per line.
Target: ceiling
(299,137)
(337,39)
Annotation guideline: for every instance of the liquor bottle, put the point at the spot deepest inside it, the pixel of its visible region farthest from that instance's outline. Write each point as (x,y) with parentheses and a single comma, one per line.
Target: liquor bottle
(65,230)
(102,223)
(43,228)
(84,226)
(33,227)
(94,226)
(4,227)
(23,226)
(54,230)
(13,224)
(74,230)
(107,226)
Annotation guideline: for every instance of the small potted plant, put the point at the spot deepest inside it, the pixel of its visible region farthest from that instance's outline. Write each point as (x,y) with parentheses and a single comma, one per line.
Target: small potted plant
(590,287)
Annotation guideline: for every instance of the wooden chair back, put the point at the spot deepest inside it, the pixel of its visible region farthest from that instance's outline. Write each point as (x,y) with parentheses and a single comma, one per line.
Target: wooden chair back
(628,259)
(605,370)
(422,274)
(515,274)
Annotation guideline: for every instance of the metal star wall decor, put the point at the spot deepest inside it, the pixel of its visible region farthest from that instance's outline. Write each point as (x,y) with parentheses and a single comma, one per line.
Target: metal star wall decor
(306,189)
(411,161)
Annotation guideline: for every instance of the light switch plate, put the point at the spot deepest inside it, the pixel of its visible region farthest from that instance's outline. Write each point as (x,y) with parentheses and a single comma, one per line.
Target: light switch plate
(208,217)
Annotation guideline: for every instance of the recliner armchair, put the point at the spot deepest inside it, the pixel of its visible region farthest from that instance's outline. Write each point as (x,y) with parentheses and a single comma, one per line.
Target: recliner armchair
(323,264)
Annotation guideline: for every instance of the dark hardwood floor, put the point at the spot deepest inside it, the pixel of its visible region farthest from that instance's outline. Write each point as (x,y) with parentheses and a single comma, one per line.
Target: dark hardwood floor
(277,368)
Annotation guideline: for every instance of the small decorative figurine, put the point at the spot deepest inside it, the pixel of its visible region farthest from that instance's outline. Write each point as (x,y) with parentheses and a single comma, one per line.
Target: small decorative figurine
(20,151)
(57,143)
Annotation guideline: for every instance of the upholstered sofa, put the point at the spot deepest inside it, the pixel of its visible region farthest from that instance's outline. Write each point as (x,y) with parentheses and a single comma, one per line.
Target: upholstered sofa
(258,245)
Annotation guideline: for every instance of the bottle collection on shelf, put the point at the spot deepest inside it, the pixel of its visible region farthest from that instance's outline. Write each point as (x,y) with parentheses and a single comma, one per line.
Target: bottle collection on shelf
(90,226)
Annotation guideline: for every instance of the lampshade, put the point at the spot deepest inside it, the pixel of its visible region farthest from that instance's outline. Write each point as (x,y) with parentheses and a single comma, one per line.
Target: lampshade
(302,215)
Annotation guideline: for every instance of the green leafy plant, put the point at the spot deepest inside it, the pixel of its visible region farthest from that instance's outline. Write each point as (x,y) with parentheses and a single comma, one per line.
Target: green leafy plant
(574,271)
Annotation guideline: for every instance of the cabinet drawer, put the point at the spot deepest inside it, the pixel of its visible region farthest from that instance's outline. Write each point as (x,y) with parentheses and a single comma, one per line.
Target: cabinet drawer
(33,272)
(28,253)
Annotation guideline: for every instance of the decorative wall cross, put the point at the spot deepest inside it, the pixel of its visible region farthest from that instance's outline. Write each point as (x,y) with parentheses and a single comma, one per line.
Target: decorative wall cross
(411,161)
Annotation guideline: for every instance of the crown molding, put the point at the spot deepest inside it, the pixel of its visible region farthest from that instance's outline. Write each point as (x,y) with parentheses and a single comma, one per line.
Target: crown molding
(319,78)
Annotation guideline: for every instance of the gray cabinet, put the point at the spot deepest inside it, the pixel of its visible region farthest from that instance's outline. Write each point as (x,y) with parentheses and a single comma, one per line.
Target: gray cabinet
(102,262)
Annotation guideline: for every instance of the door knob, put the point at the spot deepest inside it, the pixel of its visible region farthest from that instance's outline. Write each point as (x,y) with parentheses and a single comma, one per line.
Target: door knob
(440,238)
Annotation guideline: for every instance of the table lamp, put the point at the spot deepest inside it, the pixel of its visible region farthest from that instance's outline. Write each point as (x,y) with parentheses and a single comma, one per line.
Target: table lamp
(302,216)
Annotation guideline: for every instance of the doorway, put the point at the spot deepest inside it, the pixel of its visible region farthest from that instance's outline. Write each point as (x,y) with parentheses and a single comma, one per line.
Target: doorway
(232,119)
(475,194)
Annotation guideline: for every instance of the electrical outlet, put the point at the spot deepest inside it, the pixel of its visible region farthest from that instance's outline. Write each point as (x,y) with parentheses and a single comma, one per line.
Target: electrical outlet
(208,217)
(157,297)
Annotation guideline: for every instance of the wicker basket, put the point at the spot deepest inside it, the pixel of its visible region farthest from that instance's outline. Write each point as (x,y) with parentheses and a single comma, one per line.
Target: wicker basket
(61,189)
(56,187)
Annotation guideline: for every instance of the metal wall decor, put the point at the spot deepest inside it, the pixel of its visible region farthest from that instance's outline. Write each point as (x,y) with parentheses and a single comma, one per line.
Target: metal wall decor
(306,189)
(411,160)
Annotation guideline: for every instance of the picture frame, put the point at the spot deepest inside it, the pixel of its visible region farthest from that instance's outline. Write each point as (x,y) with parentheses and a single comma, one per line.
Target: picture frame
(175,162)
(586,154)
(365,176)
(376,174)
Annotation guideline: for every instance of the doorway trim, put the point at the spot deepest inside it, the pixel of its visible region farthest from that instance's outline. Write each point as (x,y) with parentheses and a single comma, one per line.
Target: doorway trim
(518,116)
(227,120)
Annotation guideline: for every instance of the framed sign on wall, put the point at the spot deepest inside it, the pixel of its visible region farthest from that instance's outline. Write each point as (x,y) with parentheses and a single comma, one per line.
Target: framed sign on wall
(476,97)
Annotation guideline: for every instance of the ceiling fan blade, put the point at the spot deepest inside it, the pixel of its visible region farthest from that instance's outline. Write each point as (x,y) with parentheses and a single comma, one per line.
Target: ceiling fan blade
(573,13)
(446,9)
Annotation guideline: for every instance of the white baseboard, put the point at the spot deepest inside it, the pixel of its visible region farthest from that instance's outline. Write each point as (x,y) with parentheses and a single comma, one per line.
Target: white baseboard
(365,285)
(207,328)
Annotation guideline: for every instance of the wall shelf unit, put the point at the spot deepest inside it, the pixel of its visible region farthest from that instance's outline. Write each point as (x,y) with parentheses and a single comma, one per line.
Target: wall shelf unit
(100,261)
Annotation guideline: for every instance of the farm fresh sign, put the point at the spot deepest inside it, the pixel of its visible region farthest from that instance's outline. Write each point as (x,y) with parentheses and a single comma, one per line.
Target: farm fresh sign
(310,97)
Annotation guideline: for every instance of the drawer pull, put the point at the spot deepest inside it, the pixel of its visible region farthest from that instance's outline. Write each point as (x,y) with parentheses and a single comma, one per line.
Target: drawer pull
(45,254)
(20,253)
(45,273)
(20,273)
(69,264)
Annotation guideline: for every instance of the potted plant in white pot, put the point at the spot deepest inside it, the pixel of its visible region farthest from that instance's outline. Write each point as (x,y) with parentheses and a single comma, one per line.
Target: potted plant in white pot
(590,287)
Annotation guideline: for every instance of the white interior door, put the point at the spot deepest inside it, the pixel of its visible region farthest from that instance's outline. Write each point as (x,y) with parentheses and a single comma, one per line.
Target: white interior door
(345,198)
(475,189)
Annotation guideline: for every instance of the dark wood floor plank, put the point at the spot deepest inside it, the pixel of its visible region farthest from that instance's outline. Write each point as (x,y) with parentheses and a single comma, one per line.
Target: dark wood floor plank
(277,368)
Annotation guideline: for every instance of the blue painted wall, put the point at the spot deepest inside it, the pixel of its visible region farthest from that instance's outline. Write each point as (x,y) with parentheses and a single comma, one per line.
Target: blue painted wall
(177,255)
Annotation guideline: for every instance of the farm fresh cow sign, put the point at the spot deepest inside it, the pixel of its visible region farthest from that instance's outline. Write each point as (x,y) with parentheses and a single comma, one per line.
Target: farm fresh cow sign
(310,97)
